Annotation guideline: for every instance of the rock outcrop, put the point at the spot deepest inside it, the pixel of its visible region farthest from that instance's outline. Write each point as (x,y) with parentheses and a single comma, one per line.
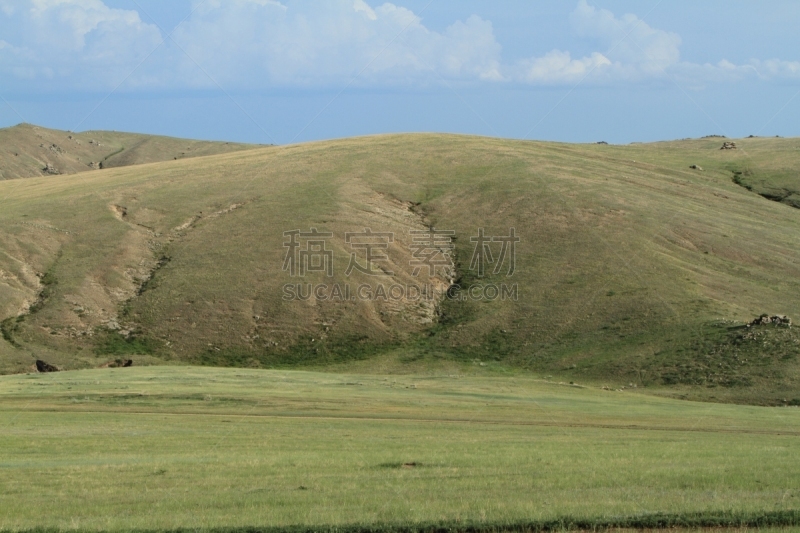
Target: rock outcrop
(777,320)
(42,366)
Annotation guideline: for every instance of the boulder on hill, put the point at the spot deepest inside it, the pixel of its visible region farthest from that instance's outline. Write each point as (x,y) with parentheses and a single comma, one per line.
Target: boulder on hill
(728,145)
(50,169)
(777,320)
(42,366)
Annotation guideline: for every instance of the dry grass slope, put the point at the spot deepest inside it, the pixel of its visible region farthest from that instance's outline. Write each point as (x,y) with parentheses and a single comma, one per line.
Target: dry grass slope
(28,151)
(632,267)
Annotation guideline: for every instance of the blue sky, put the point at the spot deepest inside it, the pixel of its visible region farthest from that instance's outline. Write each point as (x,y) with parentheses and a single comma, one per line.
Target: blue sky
(272,71)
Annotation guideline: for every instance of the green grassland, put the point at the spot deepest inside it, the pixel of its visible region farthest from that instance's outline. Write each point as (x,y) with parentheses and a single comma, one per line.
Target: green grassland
(191,448)
(633,269)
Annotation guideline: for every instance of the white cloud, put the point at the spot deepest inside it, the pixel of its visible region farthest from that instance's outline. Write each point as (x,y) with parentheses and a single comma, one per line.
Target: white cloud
(630,41)
(84,44)
(82,41)
(639,51)
(777,68)
(559,67)
(631,51)
(360,5)
(313,43)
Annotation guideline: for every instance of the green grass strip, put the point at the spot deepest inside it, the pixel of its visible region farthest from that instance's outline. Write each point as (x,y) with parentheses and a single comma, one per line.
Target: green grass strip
(722,519)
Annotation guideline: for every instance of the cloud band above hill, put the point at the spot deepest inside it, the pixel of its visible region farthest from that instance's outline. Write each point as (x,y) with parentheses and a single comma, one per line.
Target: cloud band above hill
(254,44)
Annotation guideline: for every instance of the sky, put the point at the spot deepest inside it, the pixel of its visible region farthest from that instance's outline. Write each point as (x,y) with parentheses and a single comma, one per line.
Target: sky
(280,72)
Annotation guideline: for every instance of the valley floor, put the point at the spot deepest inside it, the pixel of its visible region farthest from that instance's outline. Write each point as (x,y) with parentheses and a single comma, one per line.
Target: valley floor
(157,448)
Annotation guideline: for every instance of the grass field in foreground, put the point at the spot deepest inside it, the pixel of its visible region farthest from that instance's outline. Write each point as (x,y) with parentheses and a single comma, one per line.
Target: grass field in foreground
(169,447)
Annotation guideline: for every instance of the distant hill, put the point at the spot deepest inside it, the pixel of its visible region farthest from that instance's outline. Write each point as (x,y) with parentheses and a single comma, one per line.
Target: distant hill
(631,268)
(27,150)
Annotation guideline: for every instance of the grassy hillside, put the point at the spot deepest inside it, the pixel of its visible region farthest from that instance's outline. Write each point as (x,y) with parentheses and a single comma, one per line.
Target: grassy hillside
(766,166)
(163,449)
(774,178)
(27,150)
(632,268)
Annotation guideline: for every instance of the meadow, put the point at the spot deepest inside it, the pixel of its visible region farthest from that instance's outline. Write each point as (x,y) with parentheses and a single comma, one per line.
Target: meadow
(192,448)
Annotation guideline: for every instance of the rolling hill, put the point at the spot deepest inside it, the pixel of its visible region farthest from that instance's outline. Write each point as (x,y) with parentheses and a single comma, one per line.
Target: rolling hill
(27,150)
(630,269)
